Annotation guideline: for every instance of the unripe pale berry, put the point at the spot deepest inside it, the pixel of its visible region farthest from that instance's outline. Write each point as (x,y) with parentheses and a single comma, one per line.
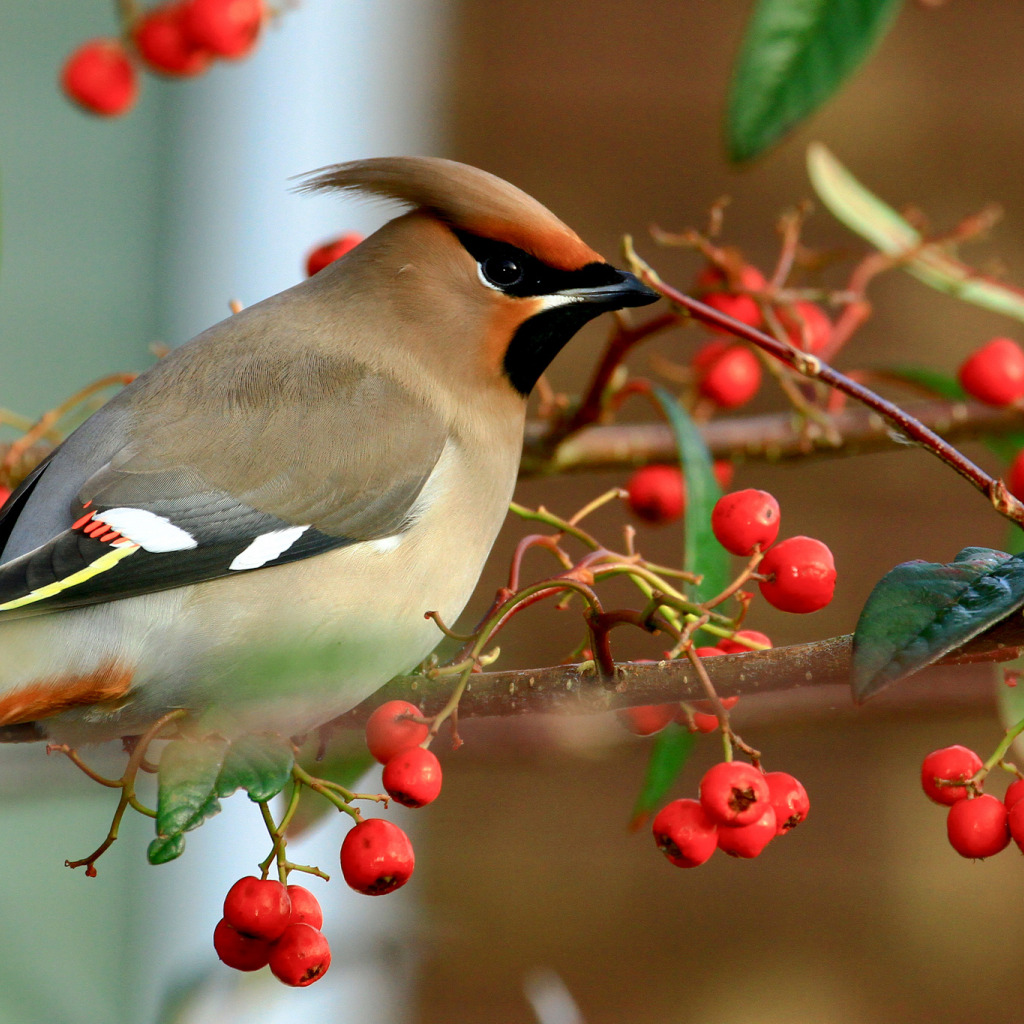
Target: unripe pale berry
(100,77)
(240,951)
(801,575)
(376,857)
(259,908)
(300,956)
(789,798)
(978,828)
(950,764)
(413,777)
(994,373)
(734,793)
(745,520)
(389,730)
(749,840)
(684,833)
(324,255)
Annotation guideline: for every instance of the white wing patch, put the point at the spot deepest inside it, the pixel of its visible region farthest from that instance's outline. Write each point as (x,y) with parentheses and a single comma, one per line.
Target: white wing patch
(267,547)
(150,531)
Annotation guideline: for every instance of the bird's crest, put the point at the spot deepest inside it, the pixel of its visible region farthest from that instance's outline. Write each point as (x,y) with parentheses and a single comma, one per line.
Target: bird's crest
(464,197)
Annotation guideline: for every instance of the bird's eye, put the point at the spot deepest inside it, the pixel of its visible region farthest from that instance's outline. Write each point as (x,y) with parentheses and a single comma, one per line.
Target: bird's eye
(503,271)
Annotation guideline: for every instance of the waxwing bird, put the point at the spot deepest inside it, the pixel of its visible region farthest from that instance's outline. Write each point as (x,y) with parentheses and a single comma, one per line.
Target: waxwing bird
(254,528)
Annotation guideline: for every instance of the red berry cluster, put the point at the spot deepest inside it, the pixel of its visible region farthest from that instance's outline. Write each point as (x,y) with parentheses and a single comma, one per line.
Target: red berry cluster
(266,923)
(978,824)
(180,39)
(740,811)
(330,251)
(728,373)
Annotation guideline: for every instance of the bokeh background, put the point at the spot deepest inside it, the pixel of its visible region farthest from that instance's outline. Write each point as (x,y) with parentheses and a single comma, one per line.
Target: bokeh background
(119,235)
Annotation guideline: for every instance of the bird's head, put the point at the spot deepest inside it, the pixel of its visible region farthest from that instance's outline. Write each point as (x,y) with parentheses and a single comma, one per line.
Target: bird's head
(478,268)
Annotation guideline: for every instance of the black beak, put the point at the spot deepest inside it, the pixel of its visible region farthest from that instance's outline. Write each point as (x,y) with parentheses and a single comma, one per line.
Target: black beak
(627,291)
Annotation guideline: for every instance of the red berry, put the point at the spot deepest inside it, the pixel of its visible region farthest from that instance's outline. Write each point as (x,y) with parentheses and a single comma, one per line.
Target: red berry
(1015,822)
(1014,793)
(229,28)
(745,520)
(740,307)
(708,652)
(165,45)
(978,828)
(733,793)
(327,253)
(238,950)
(389,730)
(714,279)
(656,493)
(705,723)
(994,373)
(684,833)
(413,777)
(728,375)
(801,575)
(806,325)
(789,798)
(305,907)
(376,857)
(100,77)
(258,908)
(733,645)
(724,471)
(647,719)
(749,840)
(301,956)
(1015,476)
(953,764)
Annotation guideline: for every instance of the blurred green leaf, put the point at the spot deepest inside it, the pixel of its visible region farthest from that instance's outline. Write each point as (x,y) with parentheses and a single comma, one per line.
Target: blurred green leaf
(795,55)
(922,610)
(187,787)
(867,215)
(260,764)
(164,850)
(941,384)
(672,749)
(701,551)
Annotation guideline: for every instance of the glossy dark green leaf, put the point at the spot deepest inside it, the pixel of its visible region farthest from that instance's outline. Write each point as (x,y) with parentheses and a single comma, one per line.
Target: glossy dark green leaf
(922,610)
(672,749)
(795,55)
(260,764)
(701,551)
(162,850)
(187,789)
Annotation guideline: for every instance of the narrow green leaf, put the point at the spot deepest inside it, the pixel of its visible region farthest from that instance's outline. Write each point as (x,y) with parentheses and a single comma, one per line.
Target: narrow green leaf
(187,788)
(922,610)
(868,216)
(672,748)
(795,55)
(163,850)
(941,384)
(701,551)
(259,764)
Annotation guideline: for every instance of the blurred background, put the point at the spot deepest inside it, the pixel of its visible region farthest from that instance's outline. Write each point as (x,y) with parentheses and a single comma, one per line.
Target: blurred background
(530,894)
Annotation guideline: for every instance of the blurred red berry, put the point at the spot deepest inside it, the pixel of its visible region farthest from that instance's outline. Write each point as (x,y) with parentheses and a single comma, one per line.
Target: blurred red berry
(389,730)
(806,325)
(788,798)
(724,471)
(733,645)
(1015,476)
(728,375)
(647,719)
(656,494)
(301,956)
(376,857)
(413,777)
(744,520)
(994,373)
(240,951)
(749,840)
(801,575)
(259,908)
(733,793)
(684,833)
(305,907)
(325,254)
(714,279)
(978,828)
(165,45)
(228,28)
(100,77)
(952,764)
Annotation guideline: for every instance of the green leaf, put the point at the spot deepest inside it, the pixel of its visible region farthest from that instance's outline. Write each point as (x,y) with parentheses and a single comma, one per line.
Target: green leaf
(672,748)
(866,215)
(922,610)
(259,764)
(165,849)
(701,551)
(941,384)
(187,789)
(795,55)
